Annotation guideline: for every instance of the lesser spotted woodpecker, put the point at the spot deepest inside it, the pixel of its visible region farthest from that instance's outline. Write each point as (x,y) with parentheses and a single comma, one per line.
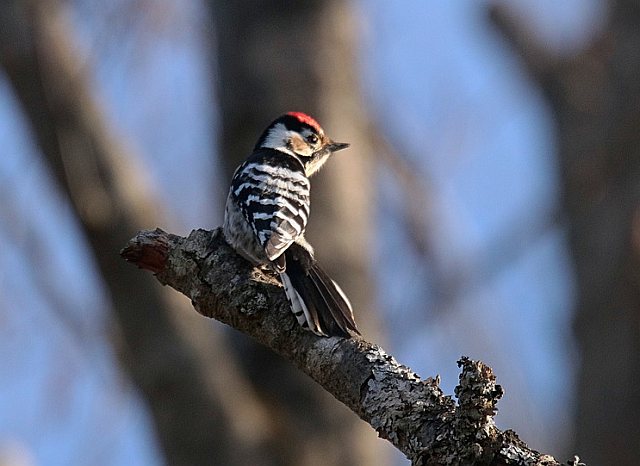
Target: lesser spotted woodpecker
(266,214)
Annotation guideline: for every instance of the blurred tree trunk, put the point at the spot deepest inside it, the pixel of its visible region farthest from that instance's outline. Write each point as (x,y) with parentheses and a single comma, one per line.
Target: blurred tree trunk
(196,423)
(596,100)
(275,57)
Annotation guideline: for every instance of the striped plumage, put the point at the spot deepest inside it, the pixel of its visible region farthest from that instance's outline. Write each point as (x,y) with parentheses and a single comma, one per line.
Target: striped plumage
(266,216)
(271,192)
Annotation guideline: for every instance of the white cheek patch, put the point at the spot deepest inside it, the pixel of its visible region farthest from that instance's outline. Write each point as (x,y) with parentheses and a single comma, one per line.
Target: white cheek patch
(278,137)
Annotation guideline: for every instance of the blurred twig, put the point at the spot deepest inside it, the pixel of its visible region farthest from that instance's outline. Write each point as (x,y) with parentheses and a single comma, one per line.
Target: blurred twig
(420,217)
(419,197)
(26,239)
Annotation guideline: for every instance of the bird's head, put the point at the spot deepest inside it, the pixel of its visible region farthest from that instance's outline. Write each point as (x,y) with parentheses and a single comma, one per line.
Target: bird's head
(301,136)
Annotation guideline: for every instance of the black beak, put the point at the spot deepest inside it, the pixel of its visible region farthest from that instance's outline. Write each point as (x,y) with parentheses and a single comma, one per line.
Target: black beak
(336,146)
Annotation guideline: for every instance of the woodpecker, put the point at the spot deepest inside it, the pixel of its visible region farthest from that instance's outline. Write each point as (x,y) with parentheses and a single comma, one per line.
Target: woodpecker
(266,215)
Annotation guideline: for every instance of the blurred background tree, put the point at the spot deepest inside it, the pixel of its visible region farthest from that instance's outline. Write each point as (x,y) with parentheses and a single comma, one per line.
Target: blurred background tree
(491,188)
(595,97)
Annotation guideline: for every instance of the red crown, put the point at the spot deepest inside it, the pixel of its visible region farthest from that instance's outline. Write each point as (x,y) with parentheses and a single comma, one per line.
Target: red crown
(306,119)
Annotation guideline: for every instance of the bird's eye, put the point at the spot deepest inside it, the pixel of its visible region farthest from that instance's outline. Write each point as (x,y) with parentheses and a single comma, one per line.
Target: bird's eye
(312,138)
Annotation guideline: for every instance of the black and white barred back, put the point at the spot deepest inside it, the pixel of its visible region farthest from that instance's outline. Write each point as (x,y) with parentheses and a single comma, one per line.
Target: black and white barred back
(268,206)
(266,215)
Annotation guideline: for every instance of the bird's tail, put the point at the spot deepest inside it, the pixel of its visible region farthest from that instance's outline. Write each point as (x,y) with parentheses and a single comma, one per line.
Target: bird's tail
(316,300)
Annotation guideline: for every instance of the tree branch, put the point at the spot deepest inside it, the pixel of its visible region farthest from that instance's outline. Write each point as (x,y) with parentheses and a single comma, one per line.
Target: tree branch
(412,413)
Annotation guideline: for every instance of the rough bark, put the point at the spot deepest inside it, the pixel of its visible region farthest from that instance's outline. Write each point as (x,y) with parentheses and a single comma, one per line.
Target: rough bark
(412,413)
(302,57)
(97,173)
(595,98)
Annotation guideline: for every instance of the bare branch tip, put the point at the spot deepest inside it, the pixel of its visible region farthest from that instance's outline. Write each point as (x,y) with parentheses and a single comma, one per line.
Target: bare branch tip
(148,250)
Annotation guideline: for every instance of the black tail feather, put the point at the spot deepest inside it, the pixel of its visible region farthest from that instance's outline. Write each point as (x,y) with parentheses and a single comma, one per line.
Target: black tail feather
(340,309)
(327,305)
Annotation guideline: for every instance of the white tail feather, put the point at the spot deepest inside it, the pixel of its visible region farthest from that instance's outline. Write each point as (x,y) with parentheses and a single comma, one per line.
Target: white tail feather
(298,306)
(344,296)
